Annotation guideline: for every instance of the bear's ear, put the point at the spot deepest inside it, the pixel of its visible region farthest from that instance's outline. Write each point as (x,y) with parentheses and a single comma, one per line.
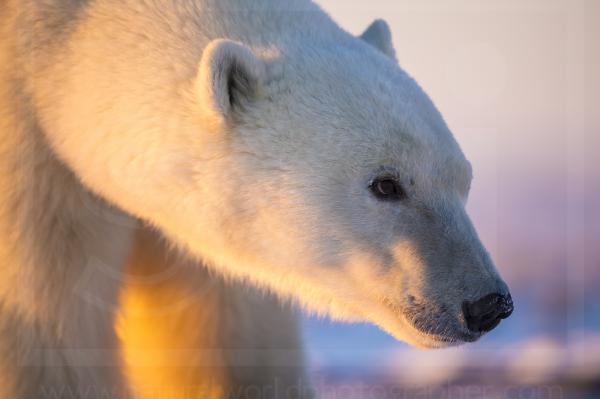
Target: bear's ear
(229,76)
(378,35)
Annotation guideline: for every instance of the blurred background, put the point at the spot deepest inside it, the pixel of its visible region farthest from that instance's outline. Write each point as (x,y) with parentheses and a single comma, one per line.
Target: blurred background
(518,84)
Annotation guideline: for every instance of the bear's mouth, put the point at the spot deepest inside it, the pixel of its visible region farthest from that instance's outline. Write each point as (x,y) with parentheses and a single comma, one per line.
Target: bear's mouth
(428,340)
(429,329)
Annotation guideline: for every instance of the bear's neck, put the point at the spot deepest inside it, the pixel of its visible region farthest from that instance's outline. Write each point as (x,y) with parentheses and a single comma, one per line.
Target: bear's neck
(55,236)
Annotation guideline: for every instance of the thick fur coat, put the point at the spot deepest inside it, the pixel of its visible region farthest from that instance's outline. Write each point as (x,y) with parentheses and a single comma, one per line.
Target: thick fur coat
(173,174)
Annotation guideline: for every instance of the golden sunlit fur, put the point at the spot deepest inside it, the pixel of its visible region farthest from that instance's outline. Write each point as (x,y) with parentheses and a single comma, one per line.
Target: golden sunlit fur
(180,330)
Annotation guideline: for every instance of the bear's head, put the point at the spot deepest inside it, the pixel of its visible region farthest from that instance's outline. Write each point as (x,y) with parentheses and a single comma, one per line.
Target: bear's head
(336,181)
(315,168)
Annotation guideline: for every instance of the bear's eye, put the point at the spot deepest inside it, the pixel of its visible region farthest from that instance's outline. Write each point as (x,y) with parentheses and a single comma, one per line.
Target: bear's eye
(387,188)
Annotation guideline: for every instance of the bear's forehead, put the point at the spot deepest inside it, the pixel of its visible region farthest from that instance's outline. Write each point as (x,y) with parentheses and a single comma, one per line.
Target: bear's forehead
(341,104)
(377,107)
(345,89)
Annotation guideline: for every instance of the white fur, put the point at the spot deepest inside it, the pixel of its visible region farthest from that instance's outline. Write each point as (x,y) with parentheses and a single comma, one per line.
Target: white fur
(247,133)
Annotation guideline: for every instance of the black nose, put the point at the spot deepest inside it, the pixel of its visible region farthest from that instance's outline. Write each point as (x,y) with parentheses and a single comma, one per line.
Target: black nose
(485,313)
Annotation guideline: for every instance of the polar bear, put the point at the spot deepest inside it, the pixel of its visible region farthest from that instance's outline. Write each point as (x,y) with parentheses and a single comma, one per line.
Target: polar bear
(175,173)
